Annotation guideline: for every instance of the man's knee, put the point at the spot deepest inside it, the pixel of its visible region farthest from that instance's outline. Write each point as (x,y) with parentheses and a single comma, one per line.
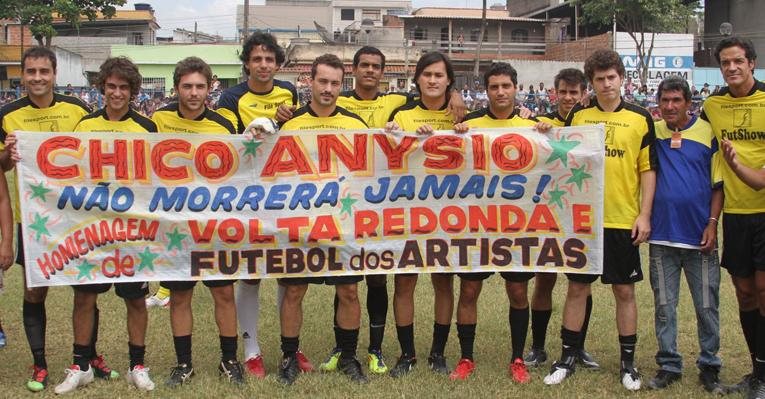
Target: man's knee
(469,291)
(36,295)
(377,280)
(624,293)
(746,293)
(347,293)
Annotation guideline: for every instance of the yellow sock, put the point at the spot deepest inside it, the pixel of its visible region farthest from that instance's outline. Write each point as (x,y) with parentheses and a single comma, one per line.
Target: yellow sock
(162,293)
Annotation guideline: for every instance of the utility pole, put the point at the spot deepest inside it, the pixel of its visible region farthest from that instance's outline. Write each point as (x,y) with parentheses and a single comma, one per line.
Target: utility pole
(245,21)
(195,32)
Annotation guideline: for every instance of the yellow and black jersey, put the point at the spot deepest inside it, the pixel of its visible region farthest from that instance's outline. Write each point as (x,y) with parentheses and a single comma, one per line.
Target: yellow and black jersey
(241,105)
(630,150)
(414,114)
(169,120)
(485,119)
(552,118)
(61,115)
(132,122)
(374,112)
(340,119)
(741,121)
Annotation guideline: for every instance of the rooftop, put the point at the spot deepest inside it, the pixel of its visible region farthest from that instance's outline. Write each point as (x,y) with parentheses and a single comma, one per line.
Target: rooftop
(464,13)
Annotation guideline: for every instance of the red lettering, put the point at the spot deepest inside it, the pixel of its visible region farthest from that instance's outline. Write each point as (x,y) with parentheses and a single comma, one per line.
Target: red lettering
(396,154)
(333,147)
(45,163)
(99,159)
(296,161)
(163,150)
(513,152)
(444,152)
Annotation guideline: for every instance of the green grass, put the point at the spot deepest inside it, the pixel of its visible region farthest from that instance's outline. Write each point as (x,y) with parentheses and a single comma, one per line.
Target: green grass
(491,349)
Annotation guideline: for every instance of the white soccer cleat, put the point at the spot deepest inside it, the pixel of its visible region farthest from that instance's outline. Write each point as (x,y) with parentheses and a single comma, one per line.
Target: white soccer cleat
(558,373)
(155,301)
(74,379)
(139,378)
(631,379)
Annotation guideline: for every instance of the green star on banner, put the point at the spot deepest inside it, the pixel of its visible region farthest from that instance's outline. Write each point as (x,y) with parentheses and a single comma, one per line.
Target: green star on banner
(85,269)
(560,150)
(347,203)
(556,197)
(39,191)
(39,226)
(250,147)
(176,240)
(147,259)
(578,175)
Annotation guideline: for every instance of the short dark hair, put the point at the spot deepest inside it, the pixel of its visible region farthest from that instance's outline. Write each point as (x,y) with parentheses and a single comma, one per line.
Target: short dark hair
(500,68)
(370,51)
(266,40)
(123,68)
(38,52)
(429,59)
(674,83)
(736,41)
(190,65)
(601,60)
(329,60)
(571,76)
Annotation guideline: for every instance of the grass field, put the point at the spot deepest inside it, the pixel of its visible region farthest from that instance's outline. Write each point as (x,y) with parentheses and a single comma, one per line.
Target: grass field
(491,352)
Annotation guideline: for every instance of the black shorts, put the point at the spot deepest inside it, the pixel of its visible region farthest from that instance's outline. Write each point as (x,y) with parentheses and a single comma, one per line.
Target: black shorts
(189,284)
(517,277)
(478,276)
(127,290)
(331,280)
(19,246)
(743,244)
(621,260)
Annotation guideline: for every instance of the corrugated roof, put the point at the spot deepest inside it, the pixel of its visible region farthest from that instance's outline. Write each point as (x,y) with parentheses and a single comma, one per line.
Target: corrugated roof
(464,13)
(120,15)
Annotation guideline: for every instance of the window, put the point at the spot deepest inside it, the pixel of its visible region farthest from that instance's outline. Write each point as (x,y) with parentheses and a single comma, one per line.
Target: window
(374,15)
(153,86)
(445,34)
(519,35)
(136,38)
(347,83)
(347,14)
(474,33)
(419,33)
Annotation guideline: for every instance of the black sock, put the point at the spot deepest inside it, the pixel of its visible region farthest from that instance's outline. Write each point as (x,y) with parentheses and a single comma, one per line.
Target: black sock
(349,341)
(228,346)
(377,308)
(570,345)
(519,327)
(290,345)
(748,320)
(466,335)
(81,356)
(335,327)
(34,327)
(183,349)
(136,354)
(94,335)
(539,321)
(627,345)
(586,324)
(440,336)
(406,339)
(760,351)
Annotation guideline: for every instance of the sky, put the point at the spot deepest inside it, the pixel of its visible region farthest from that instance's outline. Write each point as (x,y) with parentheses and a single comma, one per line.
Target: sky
(219,16)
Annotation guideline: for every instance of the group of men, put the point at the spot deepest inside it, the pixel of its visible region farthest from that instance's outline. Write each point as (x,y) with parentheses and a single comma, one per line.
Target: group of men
(666,184)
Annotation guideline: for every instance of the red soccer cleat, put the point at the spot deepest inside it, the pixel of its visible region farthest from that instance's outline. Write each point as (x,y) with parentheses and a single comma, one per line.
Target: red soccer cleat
(463,370)
(519,372)
(304,364)
(255,367)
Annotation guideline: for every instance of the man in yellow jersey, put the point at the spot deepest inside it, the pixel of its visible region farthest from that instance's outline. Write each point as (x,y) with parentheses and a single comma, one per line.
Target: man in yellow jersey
(322,113)
(570,86)
(41,110)
(119,82)
(737,118)
(192,79)
(434,78)
(630,182)
(755,178)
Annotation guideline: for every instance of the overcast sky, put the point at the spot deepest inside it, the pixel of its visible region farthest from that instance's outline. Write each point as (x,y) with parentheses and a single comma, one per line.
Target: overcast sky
(219,16)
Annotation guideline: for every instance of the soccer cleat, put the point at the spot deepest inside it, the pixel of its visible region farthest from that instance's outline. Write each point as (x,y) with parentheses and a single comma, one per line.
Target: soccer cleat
(179,375)
(404,366)
(74,379)
(304,364)
(330,364)
(437,363)
(558,373)
(3,339)
(39,379)
(155,301)
(631,379)
(288,370)
(757,390)
(519,372)
(102,370)
(463,370)
(536,357)
(352,368)
(585,359)
(376,362)
(663,379)
(139,378)
(710,379)
(746,385)
(255,367)
(232,371)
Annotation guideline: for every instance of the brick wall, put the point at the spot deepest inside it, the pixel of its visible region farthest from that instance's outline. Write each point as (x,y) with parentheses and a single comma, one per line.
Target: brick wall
(12,34)
(577,50)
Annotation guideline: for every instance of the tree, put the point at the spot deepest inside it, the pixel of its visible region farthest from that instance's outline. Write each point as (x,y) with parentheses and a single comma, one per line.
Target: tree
(640,18)
(38,14)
